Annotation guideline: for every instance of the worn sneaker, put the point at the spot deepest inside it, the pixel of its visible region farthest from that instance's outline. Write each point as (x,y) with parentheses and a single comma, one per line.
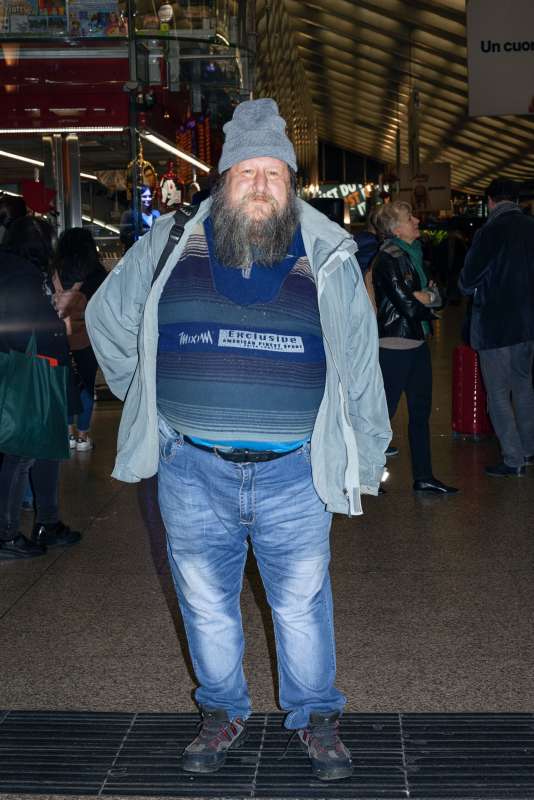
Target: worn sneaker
(207,752)
(502,470)
(329,757)
(72,441)
(20,547)
(83,444)
(56,535)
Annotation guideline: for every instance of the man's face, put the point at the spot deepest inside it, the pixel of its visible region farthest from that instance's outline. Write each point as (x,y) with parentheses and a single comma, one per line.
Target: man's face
(258,186)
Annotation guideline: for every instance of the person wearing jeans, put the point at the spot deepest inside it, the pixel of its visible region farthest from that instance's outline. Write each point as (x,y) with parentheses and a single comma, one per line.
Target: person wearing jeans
(507,372)
(230,503)
(86,367)
(76,274)
(248,360)
(498,274)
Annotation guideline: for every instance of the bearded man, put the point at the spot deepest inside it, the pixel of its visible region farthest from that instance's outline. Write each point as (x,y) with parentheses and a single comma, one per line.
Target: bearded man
(252,387)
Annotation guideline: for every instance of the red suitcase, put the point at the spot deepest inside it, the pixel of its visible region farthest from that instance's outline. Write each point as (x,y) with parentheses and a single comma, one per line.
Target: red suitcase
(469,405)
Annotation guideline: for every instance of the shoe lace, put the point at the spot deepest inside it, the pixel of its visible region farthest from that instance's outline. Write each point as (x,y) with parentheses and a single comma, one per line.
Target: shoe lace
(326,733)
(211,728)
(290,741)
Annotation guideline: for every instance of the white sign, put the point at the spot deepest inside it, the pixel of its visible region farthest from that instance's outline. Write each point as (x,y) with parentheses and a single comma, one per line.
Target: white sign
(428,190)
(500,57)
(254,340)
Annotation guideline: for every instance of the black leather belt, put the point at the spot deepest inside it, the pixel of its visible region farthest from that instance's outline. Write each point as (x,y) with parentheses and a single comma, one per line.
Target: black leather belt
(240,456)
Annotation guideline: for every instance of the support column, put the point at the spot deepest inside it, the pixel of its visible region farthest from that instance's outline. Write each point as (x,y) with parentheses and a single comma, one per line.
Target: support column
(413,131)
(53,175)
(71,181)
(132,87)
(62,174)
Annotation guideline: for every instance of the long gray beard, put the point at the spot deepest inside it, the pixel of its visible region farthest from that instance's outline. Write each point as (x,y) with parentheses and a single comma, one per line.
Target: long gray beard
(240,241)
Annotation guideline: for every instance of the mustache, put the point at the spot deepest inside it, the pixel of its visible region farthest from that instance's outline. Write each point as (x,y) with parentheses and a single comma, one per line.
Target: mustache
(264,197)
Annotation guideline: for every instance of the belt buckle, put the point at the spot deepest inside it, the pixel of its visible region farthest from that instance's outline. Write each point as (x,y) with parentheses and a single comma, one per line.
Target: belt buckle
(243,456)
(235,456)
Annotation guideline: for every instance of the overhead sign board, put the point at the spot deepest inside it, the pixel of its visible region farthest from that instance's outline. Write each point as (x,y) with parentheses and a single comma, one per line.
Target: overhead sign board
(500,57)
(352,193)
(428,190)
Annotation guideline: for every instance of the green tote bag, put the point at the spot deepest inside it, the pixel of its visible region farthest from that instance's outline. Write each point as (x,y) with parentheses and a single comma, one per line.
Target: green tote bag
(33,405)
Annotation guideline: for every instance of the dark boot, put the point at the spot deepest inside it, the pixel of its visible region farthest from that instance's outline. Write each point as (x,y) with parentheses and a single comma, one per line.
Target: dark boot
(54,535)
(20,547)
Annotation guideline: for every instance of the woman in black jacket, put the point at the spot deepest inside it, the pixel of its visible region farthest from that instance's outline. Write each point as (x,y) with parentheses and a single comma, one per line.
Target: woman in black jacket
(25,307)
(403,296)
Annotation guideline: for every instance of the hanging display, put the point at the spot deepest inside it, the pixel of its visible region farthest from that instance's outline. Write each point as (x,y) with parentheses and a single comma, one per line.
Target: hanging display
(184,140)
(146,174)
(171,188)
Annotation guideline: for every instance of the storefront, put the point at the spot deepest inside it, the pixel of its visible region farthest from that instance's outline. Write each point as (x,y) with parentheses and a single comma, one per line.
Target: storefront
(95,95)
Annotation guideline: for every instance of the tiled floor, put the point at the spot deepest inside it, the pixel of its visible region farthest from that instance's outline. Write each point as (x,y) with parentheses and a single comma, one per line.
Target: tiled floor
(434,596)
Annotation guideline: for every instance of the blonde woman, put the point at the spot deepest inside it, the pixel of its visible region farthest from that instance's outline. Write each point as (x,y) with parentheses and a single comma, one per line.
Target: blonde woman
(403,296)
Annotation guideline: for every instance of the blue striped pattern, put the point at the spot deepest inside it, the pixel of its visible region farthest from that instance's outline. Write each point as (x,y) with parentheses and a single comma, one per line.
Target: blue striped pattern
(227,371)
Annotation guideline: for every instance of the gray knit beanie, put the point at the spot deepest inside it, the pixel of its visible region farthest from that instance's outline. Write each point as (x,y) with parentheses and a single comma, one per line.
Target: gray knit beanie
(256,130)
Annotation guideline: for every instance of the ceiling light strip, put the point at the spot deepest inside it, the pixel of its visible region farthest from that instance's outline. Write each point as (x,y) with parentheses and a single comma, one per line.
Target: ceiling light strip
(158,141)
(36,163)
(73,129)
(100,224)
(11,194)
(16,157)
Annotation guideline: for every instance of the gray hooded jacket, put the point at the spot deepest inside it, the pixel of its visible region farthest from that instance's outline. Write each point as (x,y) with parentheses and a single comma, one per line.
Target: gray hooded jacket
(352,427)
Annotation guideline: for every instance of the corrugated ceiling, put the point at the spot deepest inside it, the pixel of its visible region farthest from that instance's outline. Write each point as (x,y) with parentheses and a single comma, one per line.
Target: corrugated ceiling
(356,62)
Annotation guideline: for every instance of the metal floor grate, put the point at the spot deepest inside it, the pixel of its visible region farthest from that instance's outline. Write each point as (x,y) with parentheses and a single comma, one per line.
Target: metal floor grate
(423,756)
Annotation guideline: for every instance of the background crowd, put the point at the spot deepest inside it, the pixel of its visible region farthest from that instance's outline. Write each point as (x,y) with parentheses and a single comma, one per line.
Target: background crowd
(44,287)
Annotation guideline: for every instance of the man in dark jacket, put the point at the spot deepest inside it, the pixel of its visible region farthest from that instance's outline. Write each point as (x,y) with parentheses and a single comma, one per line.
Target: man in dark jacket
(499,273)
(11,208)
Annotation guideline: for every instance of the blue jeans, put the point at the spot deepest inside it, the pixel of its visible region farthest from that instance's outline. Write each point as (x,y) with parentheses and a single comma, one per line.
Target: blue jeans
(86,367)
(210,508)
(83,422)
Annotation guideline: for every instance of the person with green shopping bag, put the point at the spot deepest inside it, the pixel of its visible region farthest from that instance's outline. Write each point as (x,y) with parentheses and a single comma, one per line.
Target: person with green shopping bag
(28,322)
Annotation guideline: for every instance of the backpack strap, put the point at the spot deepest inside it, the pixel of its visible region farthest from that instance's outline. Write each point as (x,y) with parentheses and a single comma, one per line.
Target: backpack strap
(181,217)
